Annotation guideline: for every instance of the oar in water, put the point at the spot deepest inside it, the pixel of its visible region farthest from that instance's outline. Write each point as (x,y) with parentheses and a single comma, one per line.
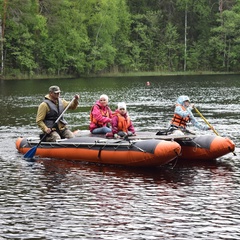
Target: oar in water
(30,153)
(205,120)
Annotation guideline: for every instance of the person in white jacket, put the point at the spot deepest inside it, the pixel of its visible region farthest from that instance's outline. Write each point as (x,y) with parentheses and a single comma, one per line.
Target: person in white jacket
(183,115)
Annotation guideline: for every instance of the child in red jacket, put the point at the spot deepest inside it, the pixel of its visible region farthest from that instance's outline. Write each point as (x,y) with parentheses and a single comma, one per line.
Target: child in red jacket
(121,123)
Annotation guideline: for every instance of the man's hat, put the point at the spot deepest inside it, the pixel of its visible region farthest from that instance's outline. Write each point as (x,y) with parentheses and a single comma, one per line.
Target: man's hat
(54,89)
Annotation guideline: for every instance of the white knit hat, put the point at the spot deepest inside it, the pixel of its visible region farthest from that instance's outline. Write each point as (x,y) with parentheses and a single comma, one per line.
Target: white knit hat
(122,105)
(104,96)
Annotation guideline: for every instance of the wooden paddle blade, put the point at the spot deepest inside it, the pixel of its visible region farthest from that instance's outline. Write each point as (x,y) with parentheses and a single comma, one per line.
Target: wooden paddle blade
(30,153)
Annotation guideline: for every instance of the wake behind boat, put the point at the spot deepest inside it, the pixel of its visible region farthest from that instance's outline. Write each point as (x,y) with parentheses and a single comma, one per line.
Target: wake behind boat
(139,153)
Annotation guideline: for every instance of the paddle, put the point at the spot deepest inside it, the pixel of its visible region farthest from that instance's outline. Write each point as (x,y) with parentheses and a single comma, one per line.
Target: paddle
(30,153)
(205,120)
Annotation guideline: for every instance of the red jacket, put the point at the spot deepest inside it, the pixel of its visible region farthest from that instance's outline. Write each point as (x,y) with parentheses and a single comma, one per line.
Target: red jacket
(121,123)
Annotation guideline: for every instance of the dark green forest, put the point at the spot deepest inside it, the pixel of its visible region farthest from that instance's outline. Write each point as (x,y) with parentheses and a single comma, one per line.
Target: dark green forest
(84,37)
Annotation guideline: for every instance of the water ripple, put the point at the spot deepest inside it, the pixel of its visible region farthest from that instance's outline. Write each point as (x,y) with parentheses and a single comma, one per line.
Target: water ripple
(55,199)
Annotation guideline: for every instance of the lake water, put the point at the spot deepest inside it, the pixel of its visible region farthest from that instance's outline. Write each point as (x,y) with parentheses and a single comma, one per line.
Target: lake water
(56,199)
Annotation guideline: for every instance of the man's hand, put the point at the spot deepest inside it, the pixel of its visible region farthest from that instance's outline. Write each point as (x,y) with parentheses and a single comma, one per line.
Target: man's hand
(48,131)
(77,96)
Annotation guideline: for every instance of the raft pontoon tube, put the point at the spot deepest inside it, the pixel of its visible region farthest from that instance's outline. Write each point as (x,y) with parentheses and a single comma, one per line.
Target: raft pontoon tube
(150,152)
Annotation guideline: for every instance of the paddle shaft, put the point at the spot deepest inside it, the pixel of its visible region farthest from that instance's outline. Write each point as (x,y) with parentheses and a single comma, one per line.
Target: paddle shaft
(64,111)
(205,120)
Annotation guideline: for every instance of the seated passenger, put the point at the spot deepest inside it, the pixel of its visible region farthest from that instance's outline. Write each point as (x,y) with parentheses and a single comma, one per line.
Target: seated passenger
(100,116)
(183,115)
(121,123)
(49,111)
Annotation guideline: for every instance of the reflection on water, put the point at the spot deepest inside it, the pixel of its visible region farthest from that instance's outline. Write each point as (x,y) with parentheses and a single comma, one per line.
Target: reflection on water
(51,196)
(56,199)
(165,174)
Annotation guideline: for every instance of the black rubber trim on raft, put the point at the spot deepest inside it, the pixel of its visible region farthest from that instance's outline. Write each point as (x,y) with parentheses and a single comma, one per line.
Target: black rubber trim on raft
(199,141)
(97,144)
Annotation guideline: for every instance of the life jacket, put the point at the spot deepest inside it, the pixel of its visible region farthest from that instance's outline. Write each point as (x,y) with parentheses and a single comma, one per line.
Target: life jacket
(103,113)
(178,120)
(123,123)
(53,114)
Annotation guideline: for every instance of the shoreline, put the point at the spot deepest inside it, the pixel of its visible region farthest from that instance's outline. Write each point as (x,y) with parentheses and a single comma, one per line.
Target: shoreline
(119,74)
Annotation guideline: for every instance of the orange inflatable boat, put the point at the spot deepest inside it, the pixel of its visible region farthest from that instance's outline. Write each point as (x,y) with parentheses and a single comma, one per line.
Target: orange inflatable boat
(206,147)
(194,147)
(148,152)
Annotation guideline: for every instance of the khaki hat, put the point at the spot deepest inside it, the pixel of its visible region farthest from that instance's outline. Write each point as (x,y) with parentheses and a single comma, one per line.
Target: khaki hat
(54,89)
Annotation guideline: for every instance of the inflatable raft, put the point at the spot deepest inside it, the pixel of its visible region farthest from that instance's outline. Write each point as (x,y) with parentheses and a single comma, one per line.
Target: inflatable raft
(147,152)
(194,147)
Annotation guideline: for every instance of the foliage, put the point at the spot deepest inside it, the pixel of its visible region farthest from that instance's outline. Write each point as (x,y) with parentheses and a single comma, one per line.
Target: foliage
(76,37)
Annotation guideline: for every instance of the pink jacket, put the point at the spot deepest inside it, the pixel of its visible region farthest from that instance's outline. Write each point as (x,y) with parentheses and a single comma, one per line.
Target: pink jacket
(99,116)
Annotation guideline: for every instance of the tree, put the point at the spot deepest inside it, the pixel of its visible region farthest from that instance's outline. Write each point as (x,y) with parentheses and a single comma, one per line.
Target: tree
(23,28)
(226,38)
(3,10)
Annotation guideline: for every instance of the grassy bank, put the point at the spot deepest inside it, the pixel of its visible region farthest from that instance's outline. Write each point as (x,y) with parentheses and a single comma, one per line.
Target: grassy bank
(139,74)
(118,74)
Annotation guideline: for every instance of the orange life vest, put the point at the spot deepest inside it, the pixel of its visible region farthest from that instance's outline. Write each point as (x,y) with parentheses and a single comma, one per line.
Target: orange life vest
(103,113)
(178,120)
(123,123)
